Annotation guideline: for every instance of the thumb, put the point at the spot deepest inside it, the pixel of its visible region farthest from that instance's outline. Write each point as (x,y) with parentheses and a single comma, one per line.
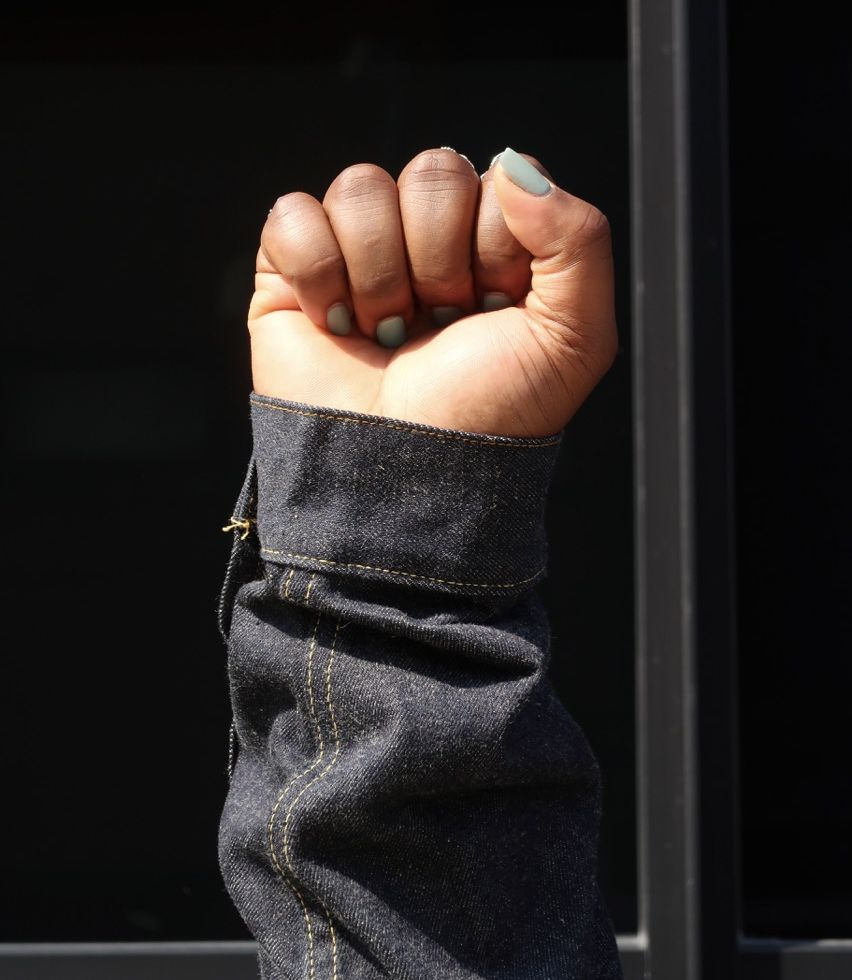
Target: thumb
(572,274)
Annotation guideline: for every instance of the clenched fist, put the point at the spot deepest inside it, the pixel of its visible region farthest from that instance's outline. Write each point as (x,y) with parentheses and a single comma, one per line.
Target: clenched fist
(441,298)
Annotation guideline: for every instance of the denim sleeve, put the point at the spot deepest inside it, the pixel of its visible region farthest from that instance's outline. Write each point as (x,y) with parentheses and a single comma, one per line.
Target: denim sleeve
(410,799)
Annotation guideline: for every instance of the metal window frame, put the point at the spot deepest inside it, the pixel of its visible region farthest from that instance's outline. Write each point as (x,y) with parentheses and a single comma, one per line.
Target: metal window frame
(689,916)
(686,694)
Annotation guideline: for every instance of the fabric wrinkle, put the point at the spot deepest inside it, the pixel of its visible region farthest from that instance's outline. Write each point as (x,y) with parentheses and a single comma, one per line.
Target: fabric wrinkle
(420,788)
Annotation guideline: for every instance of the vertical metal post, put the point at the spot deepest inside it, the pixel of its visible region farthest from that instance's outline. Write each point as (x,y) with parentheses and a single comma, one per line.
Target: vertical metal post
(669,908)
(688,893)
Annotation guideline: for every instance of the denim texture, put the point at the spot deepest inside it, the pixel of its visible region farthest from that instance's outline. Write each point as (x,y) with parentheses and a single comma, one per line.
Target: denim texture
(410,798)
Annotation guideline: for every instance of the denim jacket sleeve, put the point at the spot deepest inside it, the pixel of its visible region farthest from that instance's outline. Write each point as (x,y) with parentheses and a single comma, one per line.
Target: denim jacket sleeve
(410,798)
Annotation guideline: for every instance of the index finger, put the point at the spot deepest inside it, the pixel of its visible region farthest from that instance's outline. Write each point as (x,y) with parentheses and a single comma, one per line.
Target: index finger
(501,265)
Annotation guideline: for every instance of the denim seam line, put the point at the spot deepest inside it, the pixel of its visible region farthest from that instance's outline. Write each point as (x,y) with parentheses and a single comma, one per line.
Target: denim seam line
(270,827)
(404,574)
(446,437)
(276,854)
(305,788)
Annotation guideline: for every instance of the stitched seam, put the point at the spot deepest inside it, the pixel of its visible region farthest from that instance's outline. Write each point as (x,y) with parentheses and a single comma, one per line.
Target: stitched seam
(395,571)
(285,592)
(328,768)
(336,754)
(328,701)
(271,822)
(405,428)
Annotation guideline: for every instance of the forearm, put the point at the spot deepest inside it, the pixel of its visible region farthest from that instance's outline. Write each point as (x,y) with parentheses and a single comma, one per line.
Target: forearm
(410,798)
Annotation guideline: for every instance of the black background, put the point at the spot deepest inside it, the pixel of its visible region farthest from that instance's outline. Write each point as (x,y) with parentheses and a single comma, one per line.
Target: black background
(142,154)
(791,193)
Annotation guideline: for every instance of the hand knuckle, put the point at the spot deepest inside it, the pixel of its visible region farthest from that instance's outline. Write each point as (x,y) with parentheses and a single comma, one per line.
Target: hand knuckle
(500,255)
(322,266)
(593,226)
(362,180)
(438,281)
(289,207)
(438,167)
(379,283)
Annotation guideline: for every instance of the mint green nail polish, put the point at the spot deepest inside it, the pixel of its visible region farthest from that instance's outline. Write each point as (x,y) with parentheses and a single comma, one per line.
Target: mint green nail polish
(495,301)
(523,174)
(338,320)
(442,316)
(390,332)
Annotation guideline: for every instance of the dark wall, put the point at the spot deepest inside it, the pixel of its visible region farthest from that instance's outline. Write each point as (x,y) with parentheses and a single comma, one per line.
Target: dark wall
(791,182)
(142,155)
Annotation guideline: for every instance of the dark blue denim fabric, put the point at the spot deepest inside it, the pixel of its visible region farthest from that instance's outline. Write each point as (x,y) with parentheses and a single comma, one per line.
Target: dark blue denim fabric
(410,798)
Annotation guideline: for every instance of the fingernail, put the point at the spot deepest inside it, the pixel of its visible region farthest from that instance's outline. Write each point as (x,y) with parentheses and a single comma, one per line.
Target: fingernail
(390,332)
(495,301)
(442,316)
(338,320)
(523,174)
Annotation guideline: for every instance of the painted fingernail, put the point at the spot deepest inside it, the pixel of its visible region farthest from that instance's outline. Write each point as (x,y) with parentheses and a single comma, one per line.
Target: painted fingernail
(495,301)
(338,320)
(523,174)
(442,316)
(494,159)
(390,332)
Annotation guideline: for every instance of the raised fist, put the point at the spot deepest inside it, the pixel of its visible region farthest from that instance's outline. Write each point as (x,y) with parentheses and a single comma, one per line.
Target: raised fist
(440,298)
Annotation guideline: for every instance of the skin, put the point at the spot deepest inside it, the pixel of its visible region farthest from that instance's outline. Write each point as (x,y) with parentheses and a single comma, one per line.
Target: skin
(436,236)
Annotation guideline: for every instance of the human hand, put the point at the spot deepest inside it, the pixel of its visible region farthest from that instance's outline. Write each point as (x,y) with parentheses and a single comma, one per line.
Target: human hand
(397,257)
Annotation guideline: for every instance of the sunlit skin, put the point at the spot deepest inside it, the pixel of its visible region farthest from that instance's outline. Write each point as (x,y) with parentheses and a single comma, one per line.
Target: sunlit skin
(439,235)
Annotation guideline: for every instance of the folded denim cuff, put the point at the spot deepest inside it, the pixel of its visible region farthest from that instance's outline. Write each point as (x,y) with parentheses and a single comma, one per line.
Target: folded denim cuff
(398,502)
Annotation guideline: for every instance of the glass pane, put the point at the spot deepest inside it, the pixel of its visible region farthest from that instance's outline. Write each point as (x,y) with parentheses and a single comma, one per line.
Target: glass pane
(144,155)
(791,133)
